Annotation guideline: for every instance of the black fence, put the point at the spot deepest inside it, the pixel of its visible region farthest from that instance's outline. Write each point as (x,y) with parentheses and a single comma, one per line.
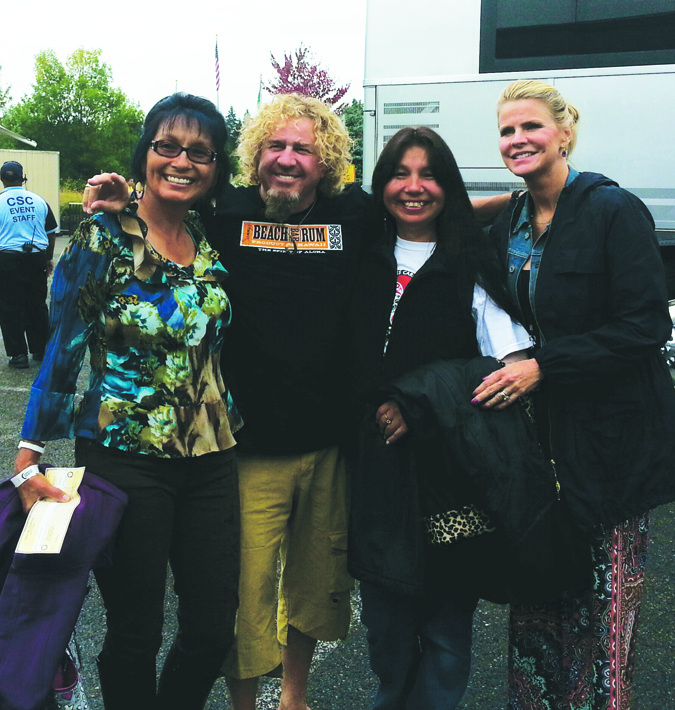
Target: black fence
(71,217)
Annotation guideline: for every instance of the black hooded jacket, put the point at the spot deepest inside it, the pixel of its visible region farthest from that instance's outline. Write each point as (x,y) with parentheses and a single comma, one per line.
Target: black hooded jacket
(492,457)
(600,303)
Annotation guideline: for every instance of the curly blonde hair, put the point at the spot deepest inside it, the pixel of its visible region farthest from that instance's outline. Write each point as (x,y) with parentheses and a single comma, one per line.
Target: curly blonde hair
(564,114)
(332,140)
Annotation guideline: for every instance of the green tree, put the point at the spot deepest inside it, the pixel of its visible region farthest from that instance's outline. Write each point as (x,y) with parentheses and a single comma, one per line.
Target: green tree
(4,98)
(233,130)
(75,109)
(352,115)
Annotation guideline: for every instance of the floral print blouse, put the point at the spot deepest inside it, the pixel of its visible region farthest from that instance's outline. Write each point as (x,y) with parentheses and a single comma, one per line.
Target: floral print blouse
(154,330)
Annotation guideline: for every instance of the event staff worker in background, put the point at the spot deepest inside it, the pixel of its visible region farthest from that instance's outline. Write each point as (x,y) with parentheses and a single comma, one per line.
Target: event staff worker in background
(27,226)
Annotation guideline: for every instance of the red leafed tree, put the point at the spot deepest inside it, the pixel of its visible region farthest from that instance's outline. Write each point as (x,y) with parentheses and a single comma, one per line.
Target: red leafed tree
(302,74)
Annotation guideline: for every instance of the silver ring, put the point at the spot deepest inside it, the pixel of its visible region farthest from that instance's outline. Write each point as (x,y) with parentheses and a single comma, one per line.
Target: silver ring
(504,395)
(387,421)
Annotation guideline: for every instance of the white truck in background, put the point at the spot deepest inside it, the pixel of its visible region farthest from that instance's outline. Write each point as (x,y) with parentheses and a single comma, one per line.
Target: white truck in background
(425,65)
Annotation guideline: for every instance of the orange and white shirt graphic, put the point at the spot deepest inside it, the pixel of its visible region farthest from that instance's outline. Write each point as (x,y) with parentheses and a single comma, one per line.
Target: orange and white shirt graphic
(291,237)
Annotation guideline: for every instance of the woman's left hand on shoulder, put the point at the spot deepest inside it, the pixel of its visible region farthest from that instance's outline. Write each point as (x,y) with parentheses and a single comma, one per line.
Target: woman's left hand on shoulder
(505,386)
(390,422)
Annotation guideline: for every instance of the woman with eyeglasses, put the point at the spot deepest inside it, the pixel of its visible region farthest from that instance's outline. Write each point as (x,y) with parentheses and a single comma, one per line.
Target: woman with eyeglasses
(143,290)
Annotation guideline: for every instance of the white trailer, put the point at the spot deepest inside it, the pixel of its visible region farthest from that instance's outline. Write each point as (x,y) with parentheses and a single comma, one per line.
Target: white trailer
(424,67)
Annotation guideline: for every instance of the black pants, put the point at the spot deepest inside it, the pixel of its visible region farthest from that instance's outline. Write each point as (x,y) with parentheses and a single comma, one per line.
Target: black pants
(23,302)
(182,511)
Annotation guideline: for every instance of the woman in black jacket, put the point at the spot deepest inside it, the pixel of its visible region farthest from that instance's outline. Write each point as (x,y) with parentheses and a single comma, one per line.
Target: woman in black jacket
(583,266)
(428,291)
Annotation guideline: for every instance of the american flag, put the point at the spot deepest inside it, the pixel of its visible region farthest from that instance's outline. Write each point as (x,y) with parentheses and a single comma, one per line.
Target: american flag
(217,68)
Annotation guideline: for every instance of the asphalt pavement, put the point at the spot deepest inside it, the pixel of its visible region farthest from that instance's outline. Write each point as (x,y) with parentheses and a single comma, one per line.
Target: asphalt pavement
(340,678)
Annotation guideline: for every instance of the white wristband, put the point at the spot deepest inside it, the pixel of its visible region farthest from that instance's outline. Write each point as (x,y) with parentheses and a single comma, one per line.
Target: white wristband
(24,475)
(31,446)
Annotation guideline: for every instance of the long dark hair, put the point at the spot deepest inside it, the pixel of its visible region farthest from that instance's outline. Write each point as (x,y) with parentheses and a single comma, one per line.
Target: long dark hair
(194,110)
(458,233)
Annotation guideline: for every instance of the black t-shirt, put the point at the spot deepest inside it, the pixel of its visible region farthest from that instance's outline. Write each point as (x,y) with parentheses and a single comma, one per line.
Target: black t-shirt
(50,221)
(283,355)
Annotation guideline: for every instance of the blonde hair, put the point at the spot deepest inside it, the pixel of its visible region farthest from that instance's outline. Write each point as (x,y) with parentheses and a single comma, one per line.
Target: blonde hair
(563,113)
(331,138)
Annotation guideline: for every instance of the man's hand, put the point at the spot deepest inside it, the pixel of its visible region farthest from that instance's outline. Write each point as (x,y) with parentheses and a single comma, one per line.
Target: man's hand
(390,422)
(107,192)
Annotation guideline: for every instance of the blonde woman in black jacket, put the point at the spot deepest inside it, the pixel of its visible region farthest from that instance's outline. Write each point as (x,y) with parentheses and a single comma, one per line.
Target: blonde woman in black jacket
(583,267)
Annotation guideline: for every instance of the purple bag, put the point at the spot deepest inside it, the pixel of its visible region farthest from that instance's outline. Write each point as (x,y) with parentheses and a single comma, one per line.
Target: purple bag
(42,595)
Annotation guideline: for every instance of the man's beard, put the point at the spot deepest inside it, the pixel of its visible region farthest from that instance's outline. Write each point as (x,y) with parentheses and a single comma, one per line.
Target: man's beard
(279,206)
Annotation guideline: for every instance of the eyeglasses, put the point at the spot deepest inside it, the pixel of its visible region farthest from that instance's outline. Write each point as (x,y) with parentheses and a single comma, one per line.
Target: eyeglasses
(173,150)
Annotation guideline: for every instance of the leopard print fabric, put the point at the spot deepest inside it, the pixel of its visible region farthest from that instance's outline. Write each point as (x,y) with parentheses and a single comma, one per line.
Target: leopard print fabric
(469,521)
(454,525)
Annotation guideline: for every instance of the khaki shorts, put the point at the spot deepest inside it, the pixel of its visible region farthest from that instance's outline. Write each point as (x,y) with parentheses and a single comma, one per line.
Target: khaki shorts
(293,508)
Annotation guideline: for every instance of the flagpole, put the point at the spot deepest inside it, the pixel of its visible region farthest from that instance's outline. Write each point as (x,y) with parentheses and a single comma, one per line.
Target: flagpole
(217,77)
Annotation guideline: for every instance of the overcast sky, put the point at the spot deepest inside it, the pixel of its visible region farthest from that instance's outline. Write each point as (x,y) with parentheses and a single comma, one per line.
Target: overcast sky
(155,47)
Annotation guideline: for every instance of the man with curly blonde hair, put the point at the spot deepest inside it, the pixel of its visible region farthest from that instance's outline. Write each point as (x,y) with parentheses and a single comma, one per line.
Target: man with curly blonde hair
(331,142)
(290,241)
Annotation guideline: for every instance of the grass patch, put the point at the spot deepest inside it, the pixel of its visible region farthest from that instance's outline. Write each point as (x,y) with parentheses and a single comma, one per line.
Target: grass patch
(70,191)
(69,195)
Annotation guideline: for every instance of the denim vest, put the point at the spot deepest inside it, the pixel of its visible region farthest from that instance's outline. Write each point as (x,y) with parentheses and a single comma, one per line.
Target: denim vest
(522,247)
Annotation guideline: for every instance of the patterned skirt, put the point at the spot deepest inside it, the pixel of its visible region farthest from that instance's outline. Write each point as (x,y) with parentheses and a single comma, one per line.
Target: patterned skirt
(578,652)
